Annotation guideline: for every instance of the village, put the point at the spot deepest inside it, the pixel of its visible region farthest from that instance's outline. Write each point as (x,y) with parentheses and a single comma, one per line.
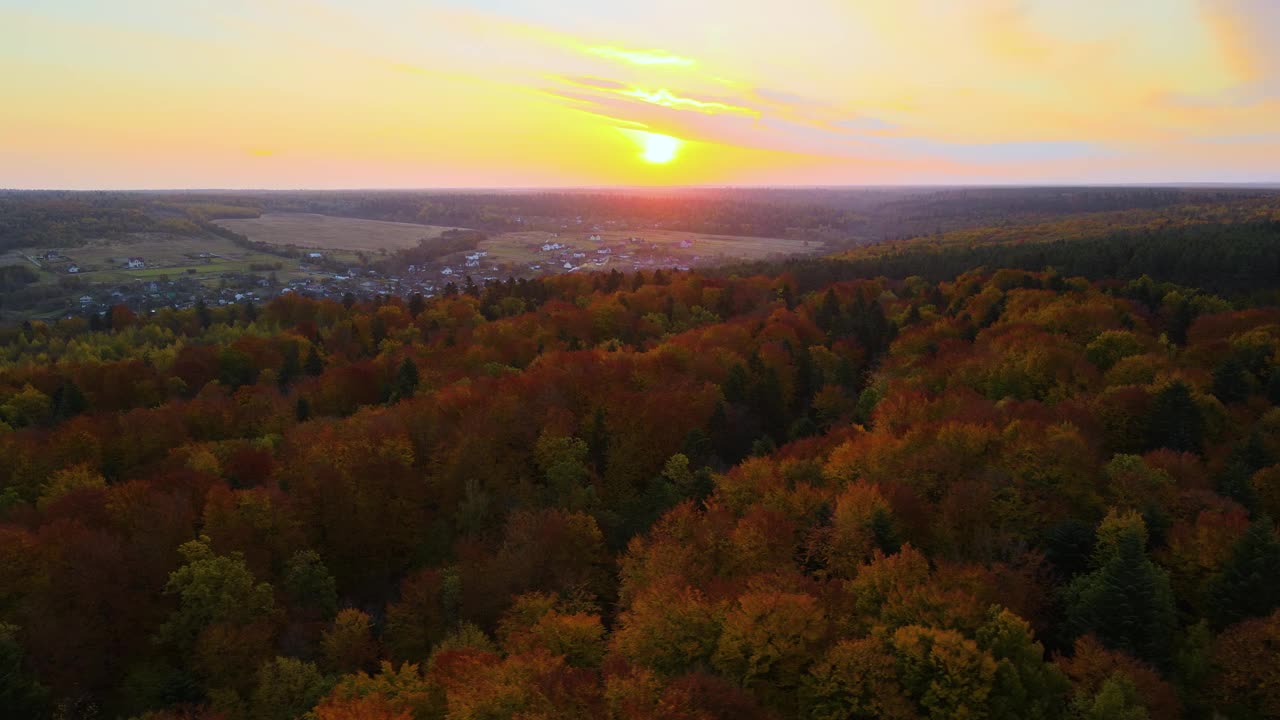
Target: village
(150,271)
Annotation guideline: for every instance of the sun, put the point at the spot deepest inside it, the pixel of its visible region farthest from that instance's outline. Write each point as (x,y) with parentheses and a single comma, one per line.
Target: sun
(655,148)
(659,149)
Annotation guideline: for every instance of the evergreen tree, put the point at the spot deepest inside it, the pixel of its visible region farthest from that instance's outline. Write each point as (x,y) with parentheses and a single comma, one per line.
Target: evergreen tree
(1126,601)
(406,383)
(596,436)
(290,368)
(1175,421)
(69,401)
(315,364)
(302,409)
(377,332)
(1249,584)
(203,315)
(416,305)
(1231,381)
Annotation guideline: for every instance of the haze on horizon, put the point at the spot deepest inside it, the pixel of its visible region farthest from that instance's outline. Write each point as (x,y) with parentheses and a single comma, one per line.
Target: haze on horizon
(519,93)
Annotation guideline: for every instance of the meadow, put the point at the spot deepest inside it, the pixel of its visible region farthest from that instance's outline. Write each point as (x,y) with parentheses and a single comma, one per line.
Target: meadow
(164,254)
(325,232)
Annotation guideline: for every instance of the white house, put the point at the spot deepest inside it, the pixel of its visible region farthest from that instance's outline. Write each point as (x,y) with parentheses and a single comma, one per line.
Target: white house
(315,255)
(447,271)
(73,268)
(135,263)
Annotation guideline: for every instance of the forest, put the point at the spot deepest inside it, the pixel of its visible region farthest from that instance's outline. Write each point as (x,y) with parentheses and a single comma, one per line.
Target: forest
(936,479)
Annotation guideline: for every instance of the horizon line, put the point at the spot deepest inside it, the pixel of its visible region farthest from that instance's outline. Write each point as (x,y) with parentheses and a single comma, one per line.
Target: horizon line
(1227,184)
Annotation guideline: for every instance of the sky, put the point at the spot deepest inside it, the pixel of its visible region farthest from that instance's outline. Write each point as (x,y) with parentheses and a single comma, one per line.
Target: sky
(562,93)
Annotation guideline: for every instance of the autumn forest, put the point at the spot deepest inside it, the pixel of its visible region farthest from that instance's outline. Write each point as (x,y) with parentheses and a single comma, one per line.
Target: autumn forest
(1027,473)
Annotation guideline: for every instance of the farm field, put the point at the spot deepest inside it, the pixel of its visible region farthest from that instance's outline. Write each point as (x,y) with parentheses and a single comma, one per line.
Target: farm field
(522,247)
(103,260)
(326,232)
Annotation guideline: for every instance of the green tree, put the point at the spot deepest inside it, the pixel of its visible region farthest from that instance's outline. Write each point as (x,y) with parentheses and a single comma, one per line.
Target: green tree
(211,589)
(1175,421)
(314,364)
(1249,584)
(1126,600)
(1117,699)
(406,382)
(308,583)
(1025,687)
(287,688)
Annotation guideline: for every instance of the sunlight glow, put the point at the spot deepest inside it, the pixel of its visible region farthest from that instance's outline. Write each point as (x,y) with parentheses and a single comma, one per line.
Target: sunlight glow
(659,149)
(641,57)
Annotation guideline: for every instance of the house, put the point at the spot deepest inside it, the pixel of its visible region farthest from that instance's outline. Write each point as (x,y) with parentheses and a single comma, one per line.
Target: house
(595,238)
(86,300)
(686,243)
(73,268)
(551,247)
(315,255)
(135,263)
(568,266)
(447,271)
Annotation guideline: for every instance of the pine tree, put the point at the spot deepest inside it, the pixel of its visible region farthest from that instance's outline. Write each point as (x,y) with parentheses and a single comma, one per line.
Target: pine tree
(69,401)
(290,368)
(1249,584)
(1175,421)
(202,313)
(315,364)
(1126,601)
(406,383)
(302,409)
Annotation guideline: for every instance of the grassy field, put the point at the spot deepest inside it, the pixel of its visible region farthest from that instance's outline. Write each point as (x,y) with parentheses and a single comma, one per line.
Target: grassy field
(324,232)
(13,257)
(172,255)
(523,247)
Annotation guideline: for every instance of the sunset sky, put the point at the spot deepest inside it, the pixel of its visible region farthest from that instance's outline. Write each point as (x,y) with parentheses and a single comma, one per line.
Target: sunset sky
(394,93)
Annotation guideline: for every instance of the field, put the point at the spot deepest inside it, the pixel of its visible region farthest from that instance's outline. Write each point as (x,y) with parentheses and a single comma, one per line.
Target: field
(325,232)
(103,260)
(523,247)
(14,257)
